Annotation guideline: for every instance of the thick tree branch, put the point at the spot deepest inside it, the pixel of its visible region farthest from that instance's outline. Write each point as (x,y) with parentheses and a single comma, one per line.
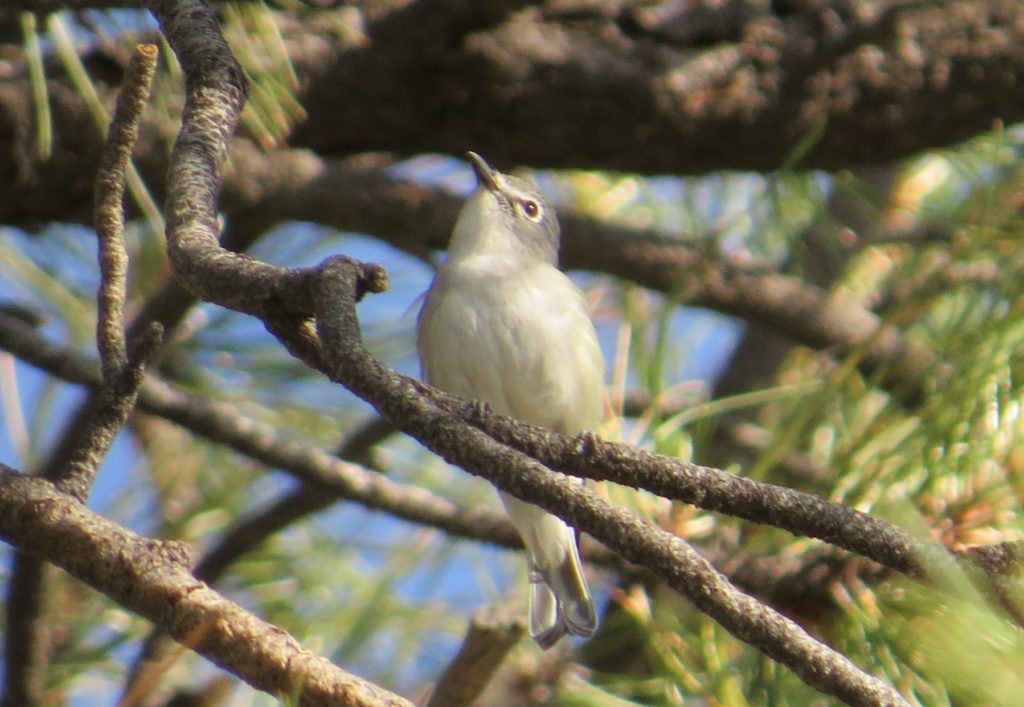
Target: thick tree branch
(608,84)
(615,84)
(152,579)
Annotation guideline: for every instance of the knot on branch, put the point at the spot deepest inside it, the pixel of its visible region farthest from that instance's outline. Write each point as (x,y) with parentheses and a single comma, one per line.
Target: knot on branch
(336,285)
(372,278)
(358,277)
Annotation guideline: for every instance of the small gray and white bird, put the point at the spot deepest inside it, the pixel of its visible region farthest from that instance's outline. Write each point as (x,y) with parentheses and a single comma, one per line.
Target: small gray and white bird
(501,323)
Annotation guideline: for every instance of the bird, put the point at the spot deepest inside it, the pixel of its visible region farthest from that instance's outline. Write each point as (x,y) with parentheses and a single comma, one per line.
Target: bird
(502,324)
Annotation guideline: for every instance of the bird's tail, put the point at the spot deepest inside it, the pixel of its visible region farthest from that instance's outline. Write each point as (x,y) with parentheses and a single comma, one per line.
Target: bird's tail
(559,600)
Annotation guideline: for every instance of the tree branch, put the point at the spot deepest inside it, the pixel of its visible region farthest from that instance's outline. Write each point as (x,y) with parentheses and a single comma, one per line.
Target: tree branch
(109,209)
(152,578)
(516,473)
(605,84)
(612,84)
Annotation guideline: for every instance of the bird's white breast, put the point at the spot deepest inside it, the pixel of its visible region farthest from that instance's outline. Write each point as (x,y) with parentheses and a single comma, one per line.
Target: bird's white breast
(517,335)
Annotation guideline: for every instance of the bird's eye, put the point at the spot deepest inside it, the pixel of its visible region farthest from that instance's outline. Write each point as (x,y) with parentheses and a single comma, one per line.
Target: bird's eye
(531,209)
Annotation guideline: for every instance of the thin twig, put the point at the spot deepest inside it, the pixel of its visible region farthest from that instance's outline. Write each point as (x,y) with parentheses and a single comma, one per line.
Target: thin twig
(109,208)
(82,448)
(123,373)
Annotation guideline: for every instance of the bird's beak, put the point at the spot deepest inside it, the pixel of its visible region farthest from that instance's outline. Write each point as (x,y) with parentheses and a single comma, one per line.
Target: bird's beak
(484,174)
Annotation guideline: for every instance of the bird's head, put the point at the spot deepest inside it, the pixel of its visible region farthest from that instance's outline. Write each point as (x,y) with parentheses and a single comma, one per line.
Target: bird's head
(506,214)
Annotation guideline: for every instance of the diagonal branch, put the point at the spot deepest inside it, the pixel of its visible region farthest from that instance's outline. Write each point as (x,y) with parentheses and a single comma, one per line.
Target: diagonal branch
(337,287)
(516,473)
(152,578)
(334,290)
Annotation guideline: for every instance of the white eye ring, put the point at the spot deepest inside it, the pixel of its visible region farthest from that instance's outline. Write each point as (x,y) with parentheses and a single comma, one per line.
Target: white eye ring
(530,209)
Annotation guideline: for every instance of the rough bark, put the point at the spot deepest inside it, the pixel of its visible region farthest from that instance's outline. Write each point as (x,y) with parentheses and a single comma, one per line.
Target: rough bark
(649,87)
